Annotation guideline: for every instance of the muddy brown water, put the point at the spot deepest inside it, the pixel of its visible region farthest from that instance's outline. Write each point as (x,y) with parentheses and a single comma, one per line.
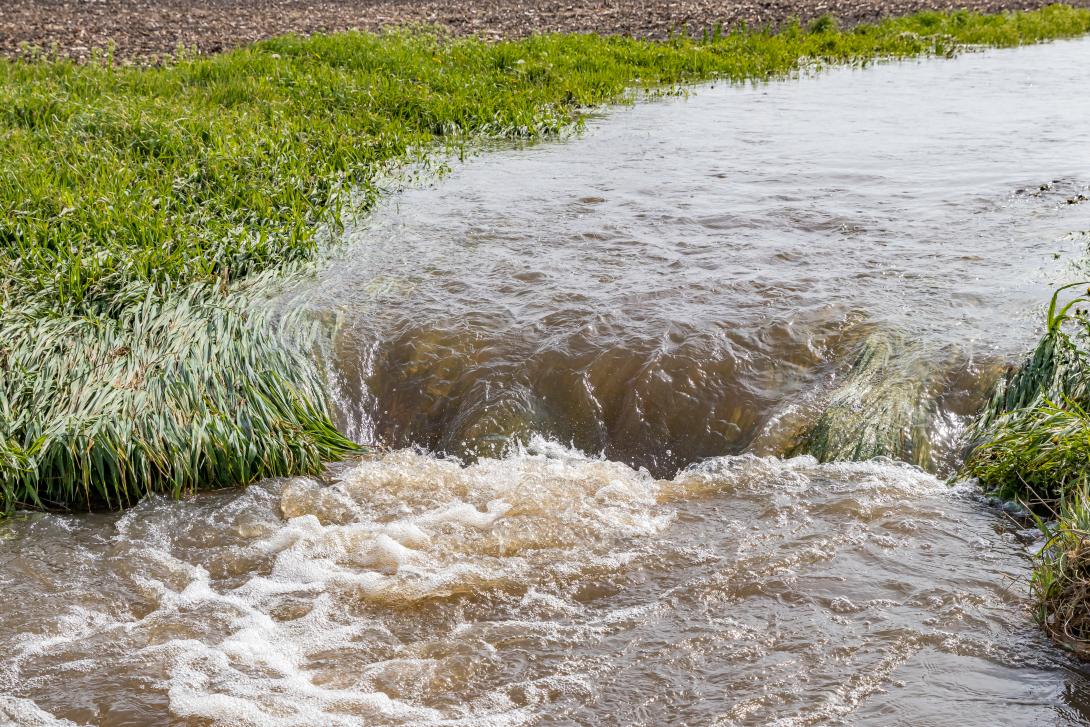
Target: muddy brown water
(623,327)
(671,285)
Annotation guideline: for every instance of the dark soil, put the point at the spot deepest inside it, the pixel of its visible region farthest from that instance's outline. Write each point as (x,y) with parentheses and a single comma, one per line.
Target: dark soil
(148,29)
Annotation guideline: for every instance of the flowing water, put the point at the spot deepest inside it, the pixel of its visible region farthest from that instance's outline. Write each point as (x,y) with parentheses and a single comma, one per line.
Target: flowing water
(586,364)
(678,282)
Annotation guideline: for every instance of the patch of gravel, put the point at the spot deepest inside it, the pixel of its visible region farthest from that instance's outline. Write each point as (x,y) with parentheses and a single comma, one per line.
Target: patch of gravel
(144,30)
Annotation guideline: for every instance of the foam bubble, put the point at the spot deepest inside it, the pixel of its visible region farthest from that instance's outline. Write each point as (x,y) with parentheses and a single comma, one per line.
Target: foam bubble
(25,713)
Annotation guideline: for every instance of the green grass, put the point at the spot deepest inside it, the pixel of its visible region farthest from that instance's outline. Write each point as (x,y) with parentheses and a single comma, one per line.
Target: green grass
(175,391)
(135,204)
(1032,444)
(1031,441)
(1061,578)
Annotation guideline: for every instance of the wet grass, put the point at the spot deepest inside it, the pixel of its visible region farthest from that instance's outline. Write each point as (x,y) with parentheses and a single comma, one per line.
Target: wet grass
(175,391)
(1032,444)
(876,409)
(136,203)
(1060,584)
(1030,441)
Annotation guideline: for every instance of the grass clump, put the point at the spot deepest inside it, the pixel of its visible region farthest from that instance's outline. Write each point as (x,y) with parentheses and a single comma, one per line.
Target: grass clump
(876,410)
(1032,444)
(824,24)
(177,390)
(136,203)
(1060,583)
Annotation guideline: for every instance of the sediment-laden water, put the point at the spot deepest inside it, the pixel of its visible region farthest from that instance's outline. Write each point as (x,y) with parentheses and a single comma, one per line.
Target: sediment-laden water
(623,336)
(686,280)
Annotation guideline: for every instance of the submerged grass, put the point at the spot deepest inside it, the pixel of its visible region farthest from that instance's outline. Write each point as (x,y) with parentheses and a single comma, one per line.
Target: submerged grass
(876,411)
(134,202)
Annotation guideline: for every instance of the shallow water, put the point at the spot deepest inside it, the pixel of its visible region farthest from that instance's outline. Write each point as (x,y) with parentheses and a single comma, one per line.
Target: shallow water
(676,289)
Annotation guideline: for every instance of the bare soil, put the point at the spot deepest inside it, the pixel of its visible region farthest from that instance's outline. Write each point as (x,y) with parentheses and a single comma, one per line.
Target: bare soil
(144,30)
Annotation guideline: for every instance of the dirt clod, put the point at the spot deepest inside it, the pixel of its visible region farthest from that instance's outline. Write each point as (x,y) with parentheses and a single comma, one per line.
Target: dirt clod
(145,30)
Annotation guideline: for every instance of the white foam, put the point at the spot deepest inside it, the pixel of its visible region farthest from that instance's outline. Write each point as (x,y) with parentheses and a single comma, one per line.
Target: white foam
(419,528)
(15,712)
(348,608)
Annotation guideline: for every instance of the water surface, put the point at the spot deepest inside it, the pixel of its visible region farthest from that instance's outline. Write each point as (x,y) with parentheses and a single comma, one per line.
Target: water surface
(663,288)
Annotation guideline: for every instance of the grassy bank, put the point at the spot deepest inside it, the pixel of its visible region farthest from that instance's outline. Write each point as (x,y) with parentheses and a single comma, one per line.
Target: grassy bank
(1032,444)
(138,206)
(1031,441)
